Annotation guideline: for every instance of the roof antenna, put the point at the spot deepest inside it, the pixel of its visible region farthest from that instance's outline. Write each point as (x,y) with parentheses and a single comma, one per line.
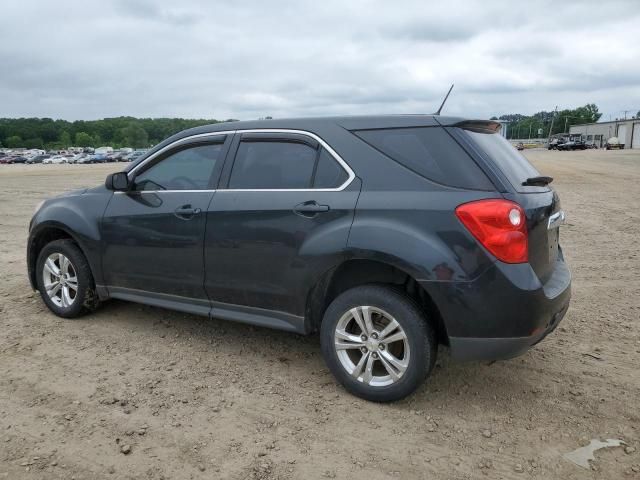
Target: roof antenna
(443,101)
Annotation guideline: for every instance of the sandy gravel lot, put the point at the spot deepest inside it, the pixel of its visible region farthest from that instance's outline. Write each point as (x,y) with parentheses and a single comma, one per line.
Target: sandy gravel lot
(194,398)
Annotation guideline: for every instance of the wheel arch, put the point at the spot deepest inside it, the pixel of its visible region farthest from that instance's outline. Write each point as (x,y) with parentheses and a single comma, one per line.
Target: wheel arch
(361,271)
(43,234)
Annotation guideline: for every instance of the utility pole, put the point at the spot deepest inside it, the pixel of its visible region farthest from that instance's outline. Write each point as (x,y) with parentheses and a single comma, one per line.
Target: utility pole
(552,120)
(530,125)
(625,113)
(565,124)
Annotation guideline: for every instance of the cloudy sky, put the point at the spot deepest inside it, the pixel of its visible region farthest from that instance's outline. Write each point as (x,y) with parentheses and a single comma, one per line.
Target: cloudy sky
(85,59)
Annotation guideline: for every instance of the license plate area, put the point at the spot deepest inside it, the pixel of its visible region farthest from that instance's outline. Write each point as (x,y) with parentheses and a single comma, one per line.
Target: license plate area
(553,234)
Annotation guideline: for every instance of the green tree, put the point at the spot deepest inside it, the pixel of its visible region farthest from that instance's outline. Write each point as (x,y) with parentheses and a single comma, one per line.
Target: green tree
(134,136)
(65,139)
(108,131)
(34,143)
(522,126)
(13,141)
(83,139)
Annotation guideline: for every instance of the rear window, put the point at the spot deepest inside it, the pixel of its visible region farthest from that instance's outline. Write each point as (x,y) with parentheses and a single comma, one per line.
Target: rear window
(431,153)
(512,164)
(273,165)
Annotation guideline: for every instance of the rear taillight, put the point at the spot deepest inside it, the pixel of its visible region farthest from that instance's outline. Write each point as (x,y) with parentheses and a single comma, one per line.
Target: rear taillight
(499,225)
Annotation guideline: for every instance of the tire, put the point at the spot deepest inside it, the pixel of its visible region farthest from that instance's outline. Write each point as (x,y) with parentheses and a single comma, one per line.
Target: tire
(75,304)
(416,351)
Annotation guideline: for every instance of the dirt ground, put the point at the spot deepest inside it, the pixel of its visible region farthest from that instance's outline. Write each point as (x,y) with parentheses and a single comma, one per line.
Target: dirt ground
(194,398)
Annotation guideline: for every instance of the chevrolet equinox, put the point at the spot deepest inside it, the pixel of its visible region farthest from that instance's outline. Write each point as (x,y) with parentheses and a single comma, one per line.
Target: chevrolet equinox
(388,235)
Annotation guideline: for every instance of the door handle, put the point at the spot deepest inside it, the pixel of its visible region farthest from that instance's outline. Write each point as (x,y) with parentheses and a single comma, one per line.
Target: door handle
(310,208)
(186,212)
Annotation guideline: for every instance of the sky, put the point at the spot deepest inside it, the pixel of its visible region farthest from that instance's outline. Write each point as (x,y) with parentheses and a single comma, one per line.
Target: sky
(85,59)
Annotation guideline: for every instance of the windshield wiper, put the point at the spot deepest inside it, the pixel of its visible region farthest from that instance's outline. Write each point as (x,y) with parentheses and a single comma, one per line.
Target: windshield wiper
(537,181)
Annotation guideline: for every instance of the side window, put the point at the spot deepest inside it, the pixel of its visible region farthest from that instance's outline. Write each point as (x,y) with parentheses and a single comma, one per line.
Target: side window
(329,173)
(273,165)
(191,168)
(431,153)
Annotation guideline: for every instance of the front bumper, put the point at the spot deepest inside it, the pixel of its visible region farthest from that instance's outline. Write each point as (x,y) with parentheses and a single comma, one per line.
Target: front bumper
(502,313)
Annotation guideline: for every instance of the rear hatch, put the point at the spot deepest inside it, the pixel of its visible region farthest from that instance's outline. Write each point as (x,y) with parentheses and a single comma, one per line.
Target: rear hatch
(523,184)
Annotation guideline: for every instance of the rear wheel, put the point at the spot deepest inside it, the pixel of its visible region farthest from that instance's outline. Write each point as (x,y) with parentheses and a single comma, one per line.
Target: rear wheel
(64,279)
(378,343)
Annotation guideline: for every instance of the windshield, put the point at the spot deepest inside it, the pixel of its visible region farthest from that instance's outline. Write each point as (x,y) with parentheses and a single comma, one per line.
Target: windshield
(512,163)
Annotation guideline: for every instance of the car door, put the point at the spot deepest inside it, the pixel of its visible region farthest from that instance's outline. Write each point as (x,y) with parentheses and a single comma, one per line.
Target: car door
(281,220)
(153,234)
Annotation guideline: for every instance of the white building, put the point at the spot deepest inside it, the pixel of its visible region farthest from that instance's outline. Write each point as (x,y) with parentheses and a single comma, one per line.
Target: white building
(627,131)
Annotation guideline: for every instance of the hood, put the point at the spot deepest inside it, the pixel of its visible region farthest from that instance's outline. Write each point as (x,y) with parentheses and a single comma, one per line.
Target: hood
(72,193)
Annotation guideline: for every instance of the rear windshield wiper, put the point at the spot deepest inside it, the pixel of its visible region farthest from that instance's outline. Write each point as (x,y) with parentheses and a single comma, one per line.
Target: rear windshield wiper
(537,181)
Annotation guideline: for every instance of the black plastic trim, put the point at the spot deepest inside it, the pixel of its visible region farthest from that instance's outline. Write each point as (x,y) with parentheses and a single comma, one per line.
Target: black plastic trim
(490,349)
(280,137)
(224,311)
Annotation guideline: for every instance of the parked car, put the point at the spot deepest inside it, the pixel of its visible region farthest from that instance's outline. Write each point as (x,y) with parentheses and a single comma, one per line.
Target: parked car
(103,150)
(77,158)
(572,143)
(388,235)
(135,155)
(614,144)
(520,146)
(117,156)
(38,159)
(94,158)
(56,159)
(17,159)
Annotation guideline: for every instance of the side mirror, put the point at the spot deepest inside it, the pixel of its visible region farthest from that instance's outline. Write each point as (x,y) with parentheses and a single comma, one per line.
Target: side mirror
(118,182)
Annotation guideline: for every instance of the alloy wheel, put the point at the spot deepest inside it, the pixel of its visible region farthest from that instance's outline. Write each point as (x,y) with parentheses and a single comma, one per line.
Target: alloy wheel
(60,280)
(372,346)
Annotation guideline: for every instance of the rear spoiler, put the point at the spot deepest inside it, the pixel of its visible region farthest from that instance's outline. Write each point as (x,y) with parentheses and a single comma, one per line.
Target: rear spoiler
(479,126)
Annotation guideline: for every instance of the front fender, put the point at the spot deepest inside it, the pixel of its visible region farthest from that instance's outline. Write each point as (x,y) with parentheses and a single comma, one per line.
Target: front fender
(79,216)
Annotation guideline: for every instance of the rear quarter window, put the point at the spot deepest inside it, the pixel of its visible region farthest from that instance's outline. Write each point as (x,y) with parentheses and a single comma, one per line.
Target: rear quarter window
(429,152)
(511,163)
(329,174)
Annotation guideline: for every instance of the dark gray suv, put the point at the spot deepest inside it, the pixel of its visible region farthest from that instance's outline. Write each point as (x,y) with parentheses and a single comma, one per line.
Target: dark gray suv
(388,235)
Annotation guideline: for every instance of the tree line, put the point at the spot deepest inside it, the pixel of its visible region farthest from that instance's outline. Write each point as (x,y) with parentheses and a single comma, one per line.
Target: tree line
(46,133)
(551,123)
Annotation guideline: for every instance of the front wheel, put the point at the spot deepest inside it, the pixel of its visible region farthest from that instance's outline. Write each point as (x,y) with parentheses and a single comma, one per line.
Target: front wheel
(378,343)
(64,279)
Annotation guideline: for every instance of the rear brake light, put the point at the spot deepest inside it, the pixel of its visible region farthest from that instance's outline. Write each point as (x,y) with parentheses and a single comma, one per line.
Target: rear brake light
(499,225)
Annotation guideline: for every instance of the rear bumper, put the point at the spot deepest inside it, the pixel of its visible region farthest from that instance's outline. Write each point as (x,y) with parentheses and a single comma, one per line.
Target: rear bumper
(470,348)
(502,313)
